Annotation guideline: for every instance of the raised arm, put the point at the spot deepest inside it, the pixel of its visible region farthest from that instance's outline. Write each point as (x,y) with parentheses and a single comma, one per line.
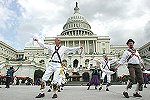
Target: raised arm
(17,68)
(72,50)
(1,66)
(41,45)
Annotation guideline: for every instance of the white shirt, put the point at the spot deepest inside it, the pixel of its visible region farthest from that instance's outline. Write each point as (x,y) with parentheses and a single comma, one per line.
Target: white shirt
(62,51)
(106,67)
(133,60)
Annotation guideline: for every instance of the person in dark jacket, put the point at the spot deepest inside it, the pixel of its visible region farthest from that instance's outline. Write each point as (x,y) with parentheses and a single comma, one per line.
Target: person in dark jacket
(9,75)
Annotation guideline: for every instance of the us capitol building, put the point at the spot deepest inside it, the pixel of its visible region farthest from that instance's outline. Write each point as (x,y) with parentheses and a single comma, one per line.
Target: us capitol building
(76,32)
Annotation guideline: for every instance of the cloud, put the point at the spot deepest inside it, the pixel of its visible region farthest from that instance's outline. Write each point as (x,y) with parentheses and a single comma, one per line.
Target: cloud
(120,19)
(147,31)
(5,15)
(1,38)
(38,18)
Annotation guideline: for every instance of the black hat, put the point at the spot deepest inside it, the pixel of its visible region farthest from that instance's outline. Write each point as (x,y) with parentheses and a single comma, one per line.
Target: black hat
(130,40)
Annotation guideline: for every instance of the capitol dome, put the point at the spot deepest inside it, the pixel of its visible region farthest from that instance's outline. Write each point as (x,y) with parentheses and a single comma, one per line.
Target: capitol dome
(77,25)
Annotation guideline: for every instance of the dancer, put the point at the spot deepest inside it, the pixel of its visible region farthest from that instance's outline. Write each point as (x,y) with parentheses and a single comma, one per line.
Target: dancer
(54,64)
(145,79)
(95,80)
(9,75)
(132,57)
(105,67)
(61,81)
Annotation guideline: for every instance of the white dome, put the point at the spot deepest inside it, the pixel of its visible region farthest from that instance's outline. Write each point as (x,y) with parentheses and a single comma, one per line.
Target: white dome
(76,17)
(77,22)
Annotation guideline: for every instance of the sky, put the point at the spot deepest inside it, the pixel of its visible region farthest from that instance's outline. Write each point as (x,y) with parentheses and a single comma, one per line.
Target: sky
(21,20)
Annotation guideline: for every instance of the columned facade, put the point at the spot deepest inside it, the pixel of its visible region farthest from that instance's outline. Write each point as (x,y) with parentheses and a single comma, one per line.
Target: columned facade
(77,32)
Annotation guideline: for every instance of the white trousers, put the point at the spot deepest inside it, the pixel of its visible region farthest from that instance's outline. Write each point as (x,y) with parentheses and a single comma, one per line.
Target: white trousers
(108,77)
(50,68)
(59,79)
(62,79)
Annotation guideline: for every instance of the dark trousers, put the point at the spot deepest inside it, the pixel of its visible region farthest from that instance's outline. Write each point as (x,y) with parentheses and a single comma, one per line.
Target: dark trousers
(135,73)
(8,80)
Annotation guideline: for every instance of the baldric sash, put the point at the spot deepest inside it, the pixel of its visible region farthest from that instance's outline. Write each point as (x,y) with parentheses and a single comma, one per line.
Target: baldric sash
(132,54)
(56,51)
(106,64)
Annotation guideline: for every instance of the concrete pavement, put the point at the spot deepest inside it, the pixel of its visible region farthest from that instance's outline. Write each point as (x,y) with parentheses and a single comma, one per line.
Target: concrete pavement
(71,93)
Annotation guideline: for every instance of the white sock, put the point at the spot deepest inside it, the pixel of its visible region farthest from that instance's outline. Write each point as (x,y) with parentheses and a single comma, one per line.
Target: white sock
(137,88)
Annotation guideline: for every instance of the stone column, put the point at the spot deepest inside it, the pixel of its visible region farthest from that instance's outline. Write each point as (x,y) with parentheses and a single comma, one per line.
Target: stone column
(96,46)
(88,46)
(93,46)
(73,43)
(65,43)
(79,43)
(85,49)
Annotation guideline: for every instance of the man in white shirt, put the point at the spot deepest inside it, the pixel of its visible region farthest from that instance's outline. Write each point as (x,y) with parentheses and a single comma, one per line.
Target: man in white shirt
(134,60)
(54,65)
(105,67)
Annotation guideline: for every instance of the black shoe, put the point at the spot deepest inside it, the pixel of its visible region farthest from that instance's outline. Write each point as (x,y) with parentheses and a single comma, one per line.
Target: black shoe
(49,90)
(129,85)
(88,88)
(108,84)
(95,88)
(145,86)
(62,89)
(40,95)
(107,89)
(140,88)
(126,94)
(54,96)
(100,88)
(59,91)
(7,87)
(136,95)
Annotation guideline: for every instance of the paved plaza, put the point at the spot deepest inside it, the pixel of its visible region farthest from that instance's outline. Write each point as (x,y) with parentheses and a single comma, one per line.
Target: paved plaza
(70,93)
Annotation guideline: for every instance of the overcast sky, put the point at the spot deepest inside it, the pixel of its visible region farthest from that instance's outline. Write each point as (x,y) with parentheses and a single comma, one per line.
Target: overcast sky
(21,20)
